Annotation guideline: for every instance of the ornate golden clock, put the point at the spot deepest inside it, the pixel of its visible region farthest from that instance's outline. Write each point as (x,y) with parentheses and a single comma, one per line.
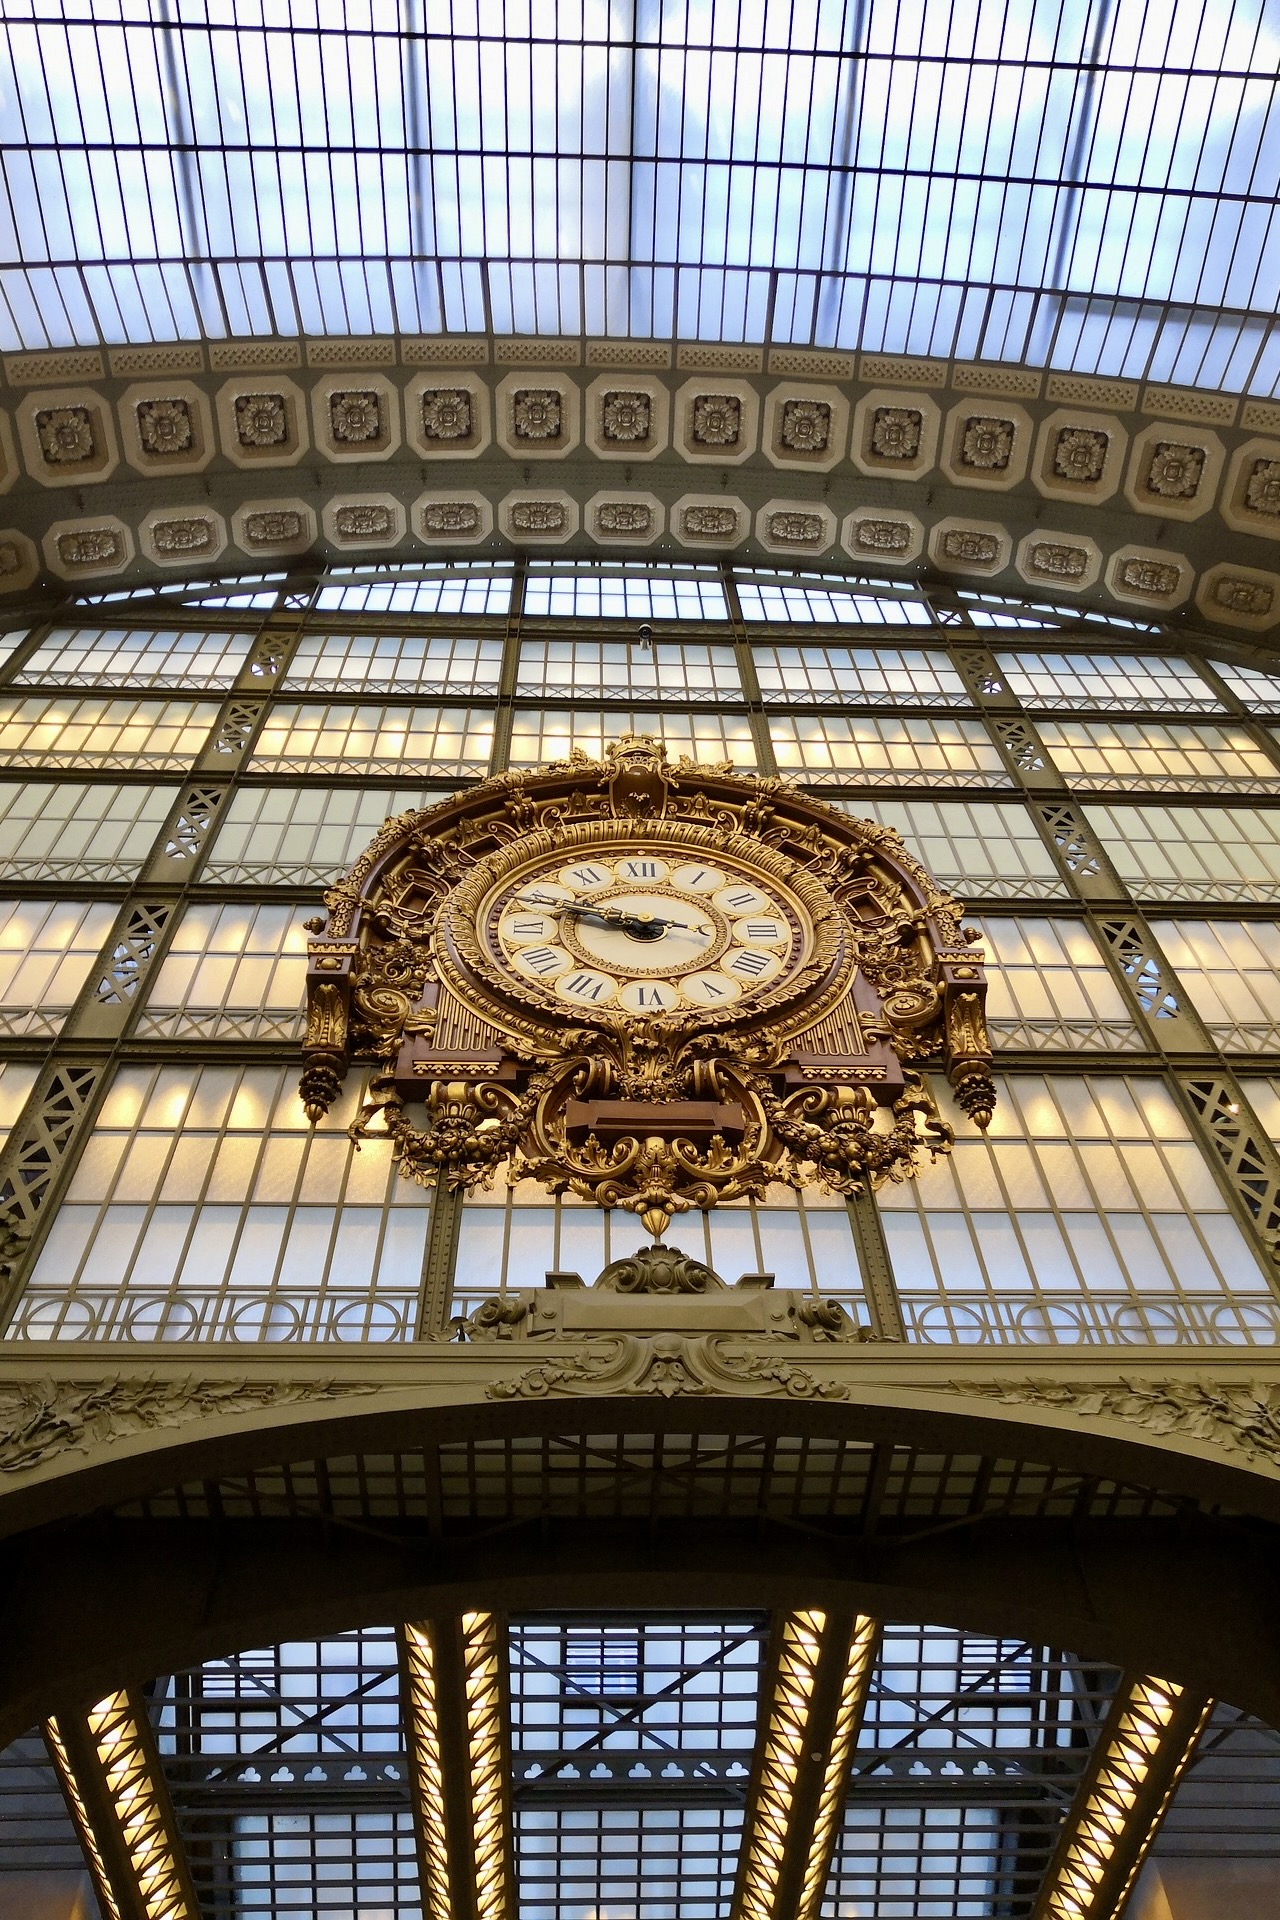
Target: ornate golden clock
(659,986)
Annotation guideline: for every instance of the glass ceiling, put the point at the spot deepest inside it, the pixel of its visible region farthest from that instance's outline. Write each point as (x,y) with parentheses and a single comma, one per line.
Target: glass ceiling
(1090,187)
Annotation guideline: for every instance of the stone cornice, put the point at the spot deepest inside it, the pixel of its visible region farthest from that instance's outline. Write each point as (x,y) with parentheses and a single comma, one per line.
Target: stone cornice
(1146,1416)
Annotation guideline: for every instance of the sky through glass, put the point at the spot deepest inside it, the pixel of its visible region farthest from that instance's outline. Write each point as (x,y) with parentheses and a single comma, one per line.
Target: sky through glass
(1087,186)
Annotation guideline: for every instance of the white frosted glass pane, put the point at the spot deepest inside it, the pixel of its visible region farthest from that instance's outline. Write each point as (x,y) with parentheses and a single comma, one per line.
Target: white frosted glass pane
(532,1251)
(1001,1253)
(1100,1270)
(1105,1174)
(480,1245)
(582,1243)
(236,1190)
(909,1252)
(955,1252)
(1107,1178)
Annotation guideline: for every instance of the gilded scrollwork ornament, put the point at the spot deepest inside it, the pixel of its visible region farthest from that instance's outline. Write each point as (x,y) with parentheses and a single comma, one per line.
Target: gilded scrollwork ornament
(658,986)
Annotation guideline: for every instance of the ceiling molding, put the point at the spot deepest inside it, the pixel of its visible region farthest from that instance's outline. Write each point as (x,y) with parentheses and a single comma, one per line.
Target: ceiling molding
(160,462)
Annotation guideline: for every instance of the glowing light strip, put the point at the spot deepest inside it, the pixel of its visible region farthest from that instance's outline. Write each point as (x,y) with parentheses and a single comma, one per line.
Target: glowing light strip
(420,1670)
(1108,1809)
(1153,1825)
(483,1653)
(88,1838)
(786,1740)
(139,1806)
(853,1694)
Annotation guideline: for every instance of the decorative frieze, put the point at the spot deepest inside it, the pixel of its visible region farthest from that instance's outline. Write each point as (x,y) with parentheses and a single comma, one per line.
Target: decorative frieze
(251,356)
(451,517)
(706,357)
(1191,403)
(1174,471)
(68,437)
(996,377)
(895,434)
(183,536)
(628,353)
(352,350)
(262,423)
(38,369)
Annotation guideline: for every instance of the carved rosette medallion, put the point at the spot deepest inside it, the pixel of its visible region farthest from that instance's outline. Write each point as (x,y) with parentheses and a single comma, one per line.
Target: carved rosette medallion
(657,986)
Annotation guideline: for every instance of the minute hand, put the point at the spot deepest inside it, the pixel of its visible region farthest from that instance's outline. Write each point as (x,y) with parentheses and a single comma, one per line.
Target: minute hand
(615,917)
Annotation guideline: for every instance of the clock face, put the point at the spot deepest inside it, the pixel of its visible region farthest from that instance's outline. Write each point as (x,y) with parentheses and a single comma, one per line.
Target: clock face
(648,931)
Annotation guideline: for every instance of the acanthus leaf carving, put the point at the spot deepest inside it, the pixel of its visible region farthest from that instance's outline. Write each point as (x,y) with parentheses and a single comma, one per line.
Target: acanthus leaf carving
(47,1418)
(1240,1419)
(669,1365)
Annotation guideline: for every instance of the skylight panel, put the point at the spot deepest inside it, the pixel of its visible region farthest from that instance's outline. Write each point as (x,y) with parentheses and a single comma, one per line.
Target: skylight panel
(1084,188)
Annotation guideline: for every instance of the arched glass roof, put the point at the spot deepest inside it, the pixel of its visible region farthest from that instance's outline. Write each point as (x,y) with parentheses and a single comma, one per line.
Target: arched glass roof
(1087,187)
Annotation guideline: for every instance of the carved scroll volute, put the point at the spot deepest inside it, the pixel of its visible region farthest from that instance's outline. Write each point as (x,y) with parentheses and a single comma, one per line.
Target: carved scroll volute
(967,1042)
(329,983)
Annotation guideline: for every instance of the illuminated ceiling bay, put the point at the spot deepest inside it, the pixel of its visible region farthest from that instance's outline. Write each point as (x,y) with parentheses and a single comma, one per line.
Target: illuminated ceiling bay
(1089,188)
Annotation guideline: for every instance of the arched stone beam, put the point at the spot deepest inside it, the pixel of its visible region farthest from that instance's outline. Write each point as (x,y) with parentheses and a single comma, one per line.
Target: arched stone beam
(80,1432)
(100,1584)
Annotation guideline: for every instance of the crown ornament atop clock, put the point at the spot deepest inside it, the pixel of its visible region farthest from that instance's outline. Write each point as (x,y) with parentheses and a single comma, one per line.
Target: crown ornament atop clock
(656,985)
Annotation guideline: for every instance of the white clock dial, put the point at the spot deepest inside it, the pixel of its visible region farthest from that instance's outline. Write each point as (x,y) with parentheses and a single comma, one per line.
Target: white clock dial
(696,878)
(585,987)
(738,899)
(617,935)
(544,962)
(646,933)
(712,989)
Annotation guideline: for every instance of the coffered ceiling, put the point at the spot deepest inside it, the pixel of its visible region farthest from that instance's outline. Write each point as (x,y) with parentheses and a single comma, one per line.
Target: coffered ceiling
(143,462)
